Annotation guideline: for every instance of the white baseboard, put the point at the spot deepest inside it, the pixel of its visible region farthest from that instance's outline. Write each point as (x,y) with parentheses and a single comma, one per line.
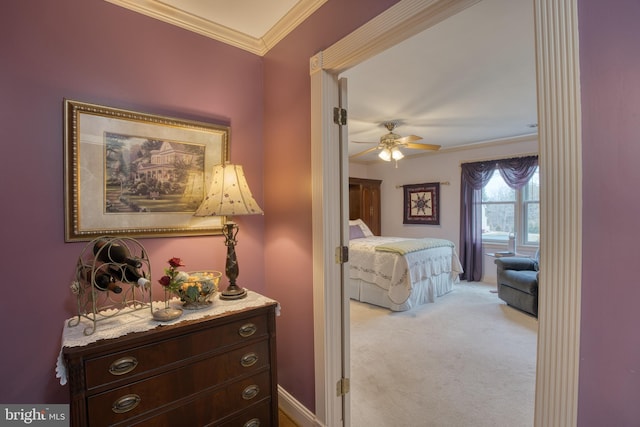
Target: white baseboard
(296,410)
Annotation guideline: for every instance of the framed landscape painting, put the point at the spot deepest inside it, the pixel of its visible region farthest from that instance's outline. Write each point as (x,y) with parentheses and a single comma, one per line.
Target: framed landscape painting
(422,203)
(137,174)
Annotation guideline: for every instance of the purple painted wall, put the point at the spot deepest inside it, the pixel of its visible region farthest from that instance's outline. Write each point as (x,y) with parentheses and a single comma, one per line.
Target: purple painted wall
(610,342)
(93,51)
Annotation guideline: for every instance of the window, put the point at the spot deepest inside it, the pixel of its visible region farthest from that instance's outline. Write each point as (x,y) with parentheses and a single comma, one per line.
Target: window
(505,211)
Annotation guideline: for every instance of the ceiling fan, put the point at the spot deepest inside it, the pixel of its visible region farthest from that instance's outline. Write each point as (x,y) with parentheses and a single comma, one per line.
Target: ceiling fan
(390,144)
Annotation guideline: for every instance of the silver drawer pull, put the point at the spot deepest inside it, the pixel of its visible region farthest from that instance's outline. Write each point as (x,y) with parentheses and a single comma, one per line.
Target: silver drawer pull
(247,330)
(249,359)
(250,392)
(123,365)
(126,403)
(252,423)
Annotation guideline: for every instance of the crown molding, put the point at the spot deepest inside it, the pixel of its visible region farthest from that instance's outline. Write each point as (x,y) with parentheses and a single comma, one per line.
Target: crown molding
(258,46)
(301,11)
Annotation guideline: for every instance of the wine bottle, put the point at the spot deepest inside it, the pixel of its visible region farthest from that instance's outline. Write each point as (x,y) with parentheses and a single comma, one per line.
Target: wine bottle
(128,274)
(114,252)
(102,281)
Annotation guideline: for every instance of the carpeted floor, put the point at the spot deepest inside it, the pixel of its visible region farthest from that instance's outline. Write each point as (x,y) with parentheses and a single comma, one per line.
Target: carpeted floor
(466,360)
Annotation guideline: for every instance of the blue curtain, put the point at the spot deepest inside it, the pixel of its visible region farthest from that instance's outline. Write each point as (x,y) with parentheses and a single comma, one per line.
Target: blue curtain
(516,172)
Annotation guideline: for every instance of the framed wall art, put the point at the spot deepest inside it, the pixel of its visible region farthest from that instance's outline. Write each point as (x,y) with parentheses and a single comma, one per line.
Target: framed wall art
(422,203)
(137,174)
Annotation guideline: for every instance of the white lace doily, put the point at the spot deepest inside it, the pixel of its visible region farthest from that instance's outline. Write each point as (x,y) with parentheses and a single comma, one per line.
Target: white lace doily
(141,320)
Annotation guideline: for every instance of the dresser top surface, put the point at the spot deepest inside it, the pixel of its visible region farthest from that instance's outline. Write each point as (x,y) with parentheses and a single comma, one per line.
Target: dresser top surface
(131,321)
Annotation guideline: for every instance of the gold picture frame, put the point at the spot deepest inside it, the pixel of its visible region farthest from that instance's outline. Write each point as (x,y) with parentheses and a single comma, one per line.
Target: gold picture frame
(136,174)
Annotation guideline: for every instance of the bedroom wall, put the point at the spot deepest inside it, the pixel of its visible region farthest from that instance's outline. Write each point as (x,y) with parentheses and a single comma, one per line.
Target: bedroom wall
(443,166)
(609,383)
(93,51)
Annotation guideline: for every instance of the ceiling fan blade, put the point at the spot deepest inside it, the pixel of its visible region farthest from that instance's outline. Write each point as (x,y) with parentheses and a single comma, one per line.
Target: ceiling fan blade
(407,139)
(362,153)
(423,146)
(364,142)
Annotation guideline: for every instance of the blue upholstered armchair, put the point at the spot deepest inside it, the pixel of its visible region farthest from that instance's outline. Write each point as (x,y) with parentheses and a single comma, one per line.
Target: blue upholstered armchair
(518,282)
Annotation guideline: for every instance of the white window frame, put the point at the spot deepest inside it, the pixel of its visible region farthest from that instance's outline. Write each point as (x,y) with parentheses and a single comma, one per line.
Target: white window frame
(521,208)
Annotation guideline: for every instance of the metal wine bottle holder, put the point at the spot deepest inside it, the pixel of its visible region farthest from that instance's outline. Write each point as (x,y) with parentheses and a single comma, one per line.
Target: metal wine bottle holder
(97,262)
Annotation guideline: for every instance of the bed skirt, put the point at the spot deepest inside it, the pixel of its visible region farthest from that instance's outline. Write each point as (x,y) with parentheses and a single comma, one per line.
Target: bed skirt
(423,292)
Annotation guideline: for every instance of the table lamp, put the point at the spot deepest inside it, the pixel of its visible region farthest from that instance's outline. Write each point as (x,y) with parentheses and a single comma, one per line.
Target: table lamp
(229,195)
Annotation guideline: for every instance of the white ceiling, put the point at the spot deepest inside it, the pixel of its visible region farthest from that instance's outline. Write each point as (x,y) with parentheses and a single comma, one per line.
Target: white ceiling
(467,80)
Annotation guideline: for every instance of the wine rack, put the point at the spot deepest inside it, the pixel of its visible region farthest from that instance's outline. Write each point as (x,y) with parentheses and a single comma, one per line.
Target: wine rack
(106,280)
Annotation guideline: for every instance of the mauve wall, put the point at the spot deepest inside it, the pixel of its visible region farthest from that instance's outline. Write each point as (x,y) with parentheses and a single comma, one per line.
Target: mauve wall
(93,51)
(287,138)
(610,341)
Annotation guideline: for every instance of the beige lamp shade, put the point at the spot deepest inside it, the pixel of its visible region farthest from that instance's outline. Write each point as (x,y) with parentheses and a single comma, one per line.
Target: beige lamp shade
(229,194)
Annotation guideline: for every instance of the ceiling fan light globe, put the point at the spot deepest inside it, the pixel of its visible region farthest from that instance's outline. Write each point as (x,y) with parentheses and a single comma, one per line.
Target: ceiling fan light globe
(385,155)
(396,154)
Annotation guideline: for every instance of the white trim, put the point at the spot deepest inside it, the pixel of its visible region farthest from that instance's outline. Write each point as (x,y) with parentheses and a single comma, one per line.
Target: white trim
(560,141)
(296,410)
(325,184)
(257,45)
(301,11)
(345,308)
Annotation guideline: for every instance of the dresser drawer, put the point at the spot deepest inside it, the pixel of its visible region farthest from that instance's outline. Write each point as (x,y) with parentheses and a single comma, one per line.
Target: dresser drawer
(246,399)
(157,391)
(128,364)
(257,416)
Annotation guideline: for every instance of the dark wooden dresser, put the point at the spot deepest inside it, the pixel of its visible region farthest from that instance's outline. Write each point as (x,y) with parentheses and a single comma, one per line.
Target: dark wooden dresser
(364,202)
(218,370)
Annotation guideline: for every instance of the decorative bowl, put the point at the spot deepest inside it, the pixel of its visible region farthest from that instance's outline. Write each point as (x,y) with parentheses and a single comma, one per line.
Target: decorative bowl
(197,291)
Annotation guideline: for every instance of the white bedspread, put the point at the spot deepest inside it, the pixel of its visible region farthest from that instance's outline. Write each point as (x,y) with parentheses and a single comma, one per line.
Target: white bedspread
(395,272)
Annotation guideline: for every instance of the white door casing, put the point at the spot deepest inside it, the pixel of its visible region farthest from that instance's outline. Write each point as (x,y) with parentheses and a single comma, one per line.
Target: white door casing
(327,230)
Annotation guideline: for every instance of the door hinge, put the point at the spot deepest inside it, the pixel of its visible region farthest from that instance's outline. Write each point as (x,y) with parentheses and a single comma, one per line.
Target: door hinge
(342,254)
(339,116)
(343,386)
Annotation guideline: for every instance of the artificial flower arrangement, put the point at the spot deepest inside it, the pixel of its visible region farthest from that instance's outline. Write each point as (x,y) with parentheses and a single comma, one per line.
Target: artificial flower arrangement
(195,288)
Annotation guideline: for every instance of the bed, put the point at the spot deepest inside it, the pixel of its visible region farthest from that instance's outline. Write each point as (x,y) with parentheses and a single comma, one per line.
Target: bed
(399,273)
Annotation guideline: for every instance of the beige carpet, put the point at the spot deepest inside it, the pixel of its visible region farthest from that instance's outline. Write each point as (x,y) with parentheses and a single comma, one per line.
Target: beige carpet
(466,360)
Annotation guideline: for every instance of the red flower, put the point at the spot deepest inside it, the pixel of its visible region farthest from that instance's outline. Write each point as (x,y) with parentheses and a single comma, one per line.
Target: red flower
(176,262)
(165,281)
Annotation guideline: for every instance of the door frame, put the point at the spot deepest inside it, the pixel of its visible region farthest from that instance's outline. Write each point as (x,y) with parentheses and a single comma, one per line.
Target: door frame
(559,134)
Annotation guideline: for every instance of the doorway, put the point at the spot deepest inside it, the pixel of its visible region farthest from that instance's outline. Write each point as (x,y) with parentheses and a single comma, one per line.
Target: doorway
(558,73)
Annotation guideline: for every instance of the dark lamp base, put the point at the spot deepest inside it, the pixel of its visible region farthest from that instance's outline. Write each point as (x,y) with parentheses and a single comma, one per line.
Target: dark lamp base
(233,292)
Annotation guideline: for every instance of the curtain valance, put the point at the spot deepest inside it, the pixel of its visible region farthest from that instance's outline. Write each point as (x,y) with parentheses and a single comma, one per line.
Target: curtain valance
(515,171)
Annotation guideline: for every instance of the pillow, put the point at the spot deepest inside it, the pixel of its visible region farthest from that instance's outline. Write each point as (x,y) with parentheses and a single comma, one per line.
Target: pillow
(360,223)
(355,232)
